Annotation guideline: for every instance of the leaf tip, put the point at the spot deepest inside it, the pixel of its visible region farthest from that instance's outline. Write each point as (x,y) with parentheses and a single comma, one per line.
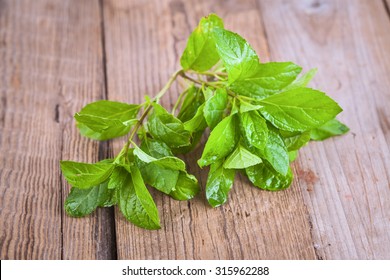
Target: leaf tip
(202,163)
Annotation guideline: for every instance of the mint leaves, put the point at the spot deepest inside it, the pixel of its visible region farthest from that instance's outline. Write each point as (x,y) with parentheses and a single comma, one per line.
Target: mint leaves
(165,127)
(215,107)
(200,53)
(85,175)
(299,109)
(135,202)
(219,183)
(328,129)
(267,79)
(258,114)
(103,120)
(221,142)
(239,59)
(81,202)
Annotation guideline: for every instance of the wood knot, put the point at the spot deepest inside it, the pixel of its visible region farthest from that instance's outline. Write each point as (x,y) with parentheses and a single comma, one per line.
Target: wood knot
(315,4)
(309,177)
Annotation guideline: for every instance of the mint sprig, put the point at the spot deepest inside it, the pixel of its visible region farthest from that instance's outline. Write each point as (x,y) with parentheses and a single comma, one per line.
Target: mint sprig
(259,115)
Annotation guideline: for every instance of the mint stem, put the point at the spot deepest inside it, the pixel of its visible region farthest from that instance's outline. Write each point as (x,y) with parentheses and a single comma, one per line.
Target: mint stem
(146,112)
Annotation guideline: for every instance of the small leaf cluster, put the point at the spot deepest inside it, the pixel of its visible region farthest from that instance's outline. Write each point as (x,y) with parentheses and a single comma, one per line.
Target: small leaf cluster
(258,114)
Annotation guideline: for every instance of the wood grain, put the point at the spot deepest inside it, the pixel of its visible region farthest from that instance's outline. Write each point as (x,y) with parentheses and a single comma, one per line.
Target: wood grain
(56,56)
(51,65)
(345,180)
(144,41)
(92,237)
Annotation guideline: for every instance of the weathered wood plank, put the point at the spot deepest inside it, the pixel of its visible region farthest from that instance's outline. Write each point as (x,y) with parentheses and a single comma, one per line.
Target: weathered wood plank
(92,237)
(345,181)
(386,6)
(51,65)
(144,41)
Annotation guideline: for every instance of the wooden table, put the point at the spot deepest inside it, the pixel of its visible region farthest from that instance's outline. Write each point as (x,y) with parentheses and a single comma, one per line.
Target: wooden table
(57,56)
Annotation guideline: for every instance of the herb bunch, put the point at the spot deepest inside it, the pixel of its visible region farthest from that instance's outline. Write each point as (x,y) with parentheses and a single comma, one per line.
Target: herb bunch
(259,115)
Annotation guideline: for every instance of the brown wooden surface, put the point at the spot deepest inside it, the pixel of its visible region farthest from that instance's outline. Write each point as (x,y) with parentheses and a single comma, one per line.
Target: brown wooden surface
(51,65)
(56,56)
(345,180)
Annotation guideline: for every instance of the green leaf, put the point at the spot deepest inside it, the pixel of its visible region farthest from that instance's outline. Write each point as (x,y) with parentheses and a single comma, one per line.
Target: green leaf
(329,129)
(246,107)
(161,173)
(115,180)
(268,79)
(219,183)
(214,107)
(295,141)
(111,110)
(85,175)
(264,177)
(103,120)
(198,122)
(235,107)
(102,129)
(196,126)
(81,202)
(221,141)
(241,158)
(208,93)
(200,53)
(135,201)
(106,197)
(196,136)
(239,58)
(156,148)
(186,187)
(193,100)
(165,127)
(303,80)
(292,155)
(162,179)
(299,109)
(275,151)
(254,128)
(171,162)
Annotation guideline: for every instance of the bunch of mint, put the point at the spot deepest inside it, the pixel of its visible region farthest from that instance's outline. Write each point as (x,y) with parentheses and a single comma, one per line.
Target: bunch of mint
(259,115)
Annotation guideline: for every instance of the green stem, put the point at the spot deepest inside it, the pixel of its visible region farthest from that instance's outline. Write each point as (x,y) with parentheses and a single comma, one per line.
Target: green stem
(125,148)
(178,101)
(168,84)
(210,84)
(241,97)
(199,82)
(212,74)
(214,83)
